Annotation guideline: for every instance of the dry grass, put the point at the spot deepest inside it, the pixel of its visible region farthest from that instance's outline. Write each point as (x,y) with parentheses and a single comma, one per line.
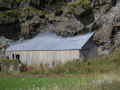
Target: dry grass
(96,65)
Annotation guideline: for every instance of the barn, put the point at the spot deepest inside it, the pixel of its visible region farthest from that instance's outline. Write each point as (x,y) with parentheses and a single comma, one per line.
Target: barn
(50,49)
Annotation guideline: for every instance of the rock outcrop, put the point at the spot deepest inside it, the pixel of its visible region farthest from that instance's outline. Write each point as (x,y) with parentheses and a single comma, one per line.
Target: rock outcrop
(26,18)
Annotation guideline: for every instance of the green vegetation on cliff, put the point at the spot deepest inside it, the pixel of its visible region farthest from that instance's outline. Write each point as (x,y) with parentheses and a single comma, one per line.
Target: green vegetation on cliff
(64,17)
(84,3)
(10,1)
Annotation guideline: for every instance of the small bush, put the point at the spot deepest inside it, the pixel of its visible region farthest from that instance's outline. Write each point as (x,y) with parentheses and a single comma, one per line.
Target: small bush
(6,61)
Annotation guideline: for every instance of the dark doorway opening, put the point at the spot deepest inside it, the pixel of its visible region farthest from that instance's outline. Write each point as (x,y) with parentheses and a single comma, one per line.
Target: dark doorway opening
(18,58)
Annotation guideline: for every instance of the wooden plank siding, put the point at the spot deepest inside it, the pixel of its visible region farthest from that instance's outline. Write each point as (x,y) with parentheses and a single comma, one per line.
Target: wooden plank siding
(45,57)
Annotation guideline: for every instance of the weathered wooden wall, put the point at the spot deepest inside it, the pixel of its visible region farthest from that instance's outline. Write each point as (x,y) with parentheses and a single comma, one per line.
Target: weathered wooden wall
(45,57)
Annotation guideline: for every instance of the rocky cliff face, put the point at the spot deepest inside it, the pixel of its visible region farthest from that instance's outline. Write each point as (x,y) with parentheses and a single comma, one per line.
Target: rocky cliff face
(26,18)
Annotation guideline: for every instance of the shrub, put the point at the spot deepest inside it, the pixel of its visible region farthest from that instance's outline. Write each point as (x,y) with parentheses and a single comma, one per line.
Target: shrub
(84,3)
(7,62)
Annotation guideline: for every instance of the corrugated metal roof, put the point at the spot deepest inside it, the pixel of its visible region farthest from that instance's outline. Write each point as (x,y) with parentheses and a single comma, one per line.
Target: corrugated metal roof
(50,41)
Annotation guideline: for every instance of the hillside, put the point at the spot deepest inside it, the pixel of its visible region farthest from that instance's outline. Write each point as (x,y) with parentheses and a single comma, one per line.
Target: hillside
(23,19)
(26,18)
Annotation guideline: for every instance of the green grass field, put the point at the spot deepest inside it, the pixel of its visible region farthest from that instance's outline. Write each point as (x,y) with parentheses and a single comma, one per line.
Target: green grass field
(23,83)
(57,84)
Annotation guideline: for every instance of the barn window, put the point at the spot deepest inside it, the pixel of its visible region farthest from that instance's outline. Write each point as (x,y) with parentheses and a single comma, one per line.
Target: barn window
(13,56)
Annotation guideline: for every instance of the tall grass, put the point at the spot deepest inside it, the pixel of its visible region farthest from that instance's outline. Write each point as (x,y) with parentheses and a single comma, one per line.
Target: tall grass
(96,65)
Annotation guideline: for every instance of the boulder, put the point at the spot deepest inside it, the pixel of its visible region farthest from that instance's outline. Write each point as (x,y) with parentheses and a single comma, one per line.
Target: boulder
(68,27)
